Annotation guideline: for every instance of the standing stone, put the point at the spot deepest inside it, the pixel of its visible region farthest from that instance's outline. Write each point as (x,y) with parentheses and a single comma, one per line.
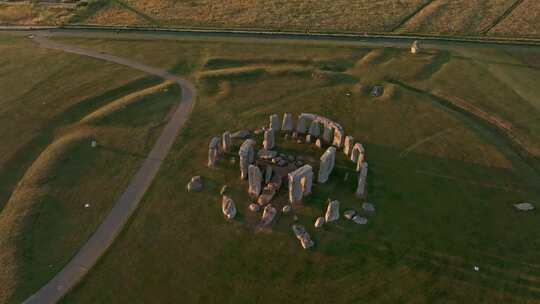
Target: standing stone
(338,138)
(318,143)
(287,125)
(357,153)
(228,207)
(308,139)
(268,174)
(195,184)
(255,181)
(226,142)
(327,134)
(300,182)
(274,122)
(332,212)
(269,140)
(349,143)
(361,187)
(315,129)
(286,209)
(328,160)
(319,222)
(301,125)
(213,152)
(247,156)
(349,214)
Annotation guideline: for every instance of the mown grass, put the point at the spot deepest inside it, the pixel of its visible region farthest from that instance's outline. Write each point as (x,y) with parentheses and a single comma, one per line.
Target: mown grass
(56,105)
(443,183)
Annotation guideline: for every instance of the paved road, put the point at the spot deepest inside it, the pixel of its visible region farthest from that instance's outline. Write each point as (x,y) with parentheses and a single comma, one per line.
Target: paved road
(102,239)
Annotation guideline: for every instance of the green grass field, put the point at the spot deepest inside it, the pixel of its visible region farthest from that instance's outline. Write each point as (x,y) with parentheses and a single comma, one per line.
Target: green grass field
(443,181)
(53,106)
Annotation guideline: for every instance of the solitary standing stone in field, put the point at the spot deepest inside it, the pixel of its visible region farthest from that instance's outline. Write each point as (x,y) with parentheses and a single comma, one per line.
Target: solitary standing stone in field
(328,160)
(287,122)
(213,152)
(415,48)
(247,156)
(361,188)
(332,212)
(302,235)
(269,140)
(315,129)
(195,184)
(226,141)
(255,181)
(327,134)
(228,208)
(274,122)
(349,142)
(301,124)
(300,182)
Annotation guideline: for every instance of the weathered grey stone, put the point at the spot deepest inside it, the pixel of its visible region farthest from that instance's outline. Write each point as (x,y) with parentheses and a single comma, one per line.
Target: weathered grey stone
(348,146)
(524,206)
(300,182)
(247,156)
(318,143)
(298,163)
(286,209)
(332,212)
(308,139)
(328,134)
(274,122)
(360,164)
(226,142)
(360,220)
(290,158)
(266,196)
(319,222)
(266,154)
(338,138)
(195,184)
(287,125)
(254,207)
(268,174)
(228,207)
(362,177)
(328,160)
(302,235)
(242,134)
(301,124)
(269,140)
(268,215)
(349,214)
(357,153)
(255,181)
(213,152)
(315,129)
(368,207)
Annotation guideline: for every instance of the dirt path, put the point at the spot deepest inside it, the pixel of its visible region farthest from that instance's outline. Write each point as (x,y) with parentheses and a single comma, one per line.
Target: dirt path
(115,221)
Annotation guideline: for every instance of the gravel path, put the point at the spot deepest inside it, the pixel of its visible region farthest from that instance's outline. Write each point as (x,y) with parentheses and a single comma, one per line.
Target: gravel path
(115,221)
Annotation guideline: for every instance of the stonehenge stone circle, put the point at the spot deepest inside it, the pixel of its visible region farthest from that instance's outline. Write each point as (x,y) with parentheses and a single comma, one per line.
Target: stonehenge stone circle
(254,180)
(361,187)
(300,182)
(274,122)
(228,207)
(269,140)
(213,152)
(247,156)
(302,235)
(332,212)
(287,125)
(328,160)
(226,142)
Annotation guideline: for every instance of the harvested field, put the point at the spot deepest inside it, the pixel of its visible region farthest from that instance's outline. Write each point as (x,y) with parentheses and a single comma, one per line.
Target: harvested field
(523,21)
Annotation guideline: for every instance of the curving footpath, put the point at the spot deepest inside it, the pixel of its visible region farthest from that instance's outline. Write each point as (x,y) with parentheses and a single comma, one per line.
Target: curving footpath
(109,229)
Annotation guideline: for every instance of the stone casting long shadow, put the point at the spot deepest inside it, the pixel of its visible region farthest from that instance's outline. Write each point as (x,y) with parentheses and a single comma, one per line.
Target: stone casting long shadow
(124,207)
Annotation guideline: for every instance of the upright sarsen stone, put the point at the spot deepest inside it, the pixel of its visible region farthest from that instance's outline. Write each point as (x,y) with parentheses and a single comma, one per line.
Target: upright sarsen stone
(348,146)
(328,160)
(300,182)
(213,152)
(328,133)
(254,180)
(247,156)
(269,140)
(315,129)
(287,122)
(338,138)
(274,122)
(362,177)
(301,124)
(226,142)
(357,153)
(332,212)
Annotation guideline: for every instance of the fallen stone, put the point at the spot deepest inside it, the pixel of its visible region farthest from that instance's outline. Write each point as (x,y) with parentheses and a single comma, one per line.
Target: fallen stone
(299,163)
(319,222)
(269,213)
(368,207)
(254,181)
(286,209)
(360,220)
(524,207)
(266,196)
(349,214)
(254,207)
(228,207)
(332,212)
(266,154)
(302,235)
(242,134)
(294,135)
(195,184)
